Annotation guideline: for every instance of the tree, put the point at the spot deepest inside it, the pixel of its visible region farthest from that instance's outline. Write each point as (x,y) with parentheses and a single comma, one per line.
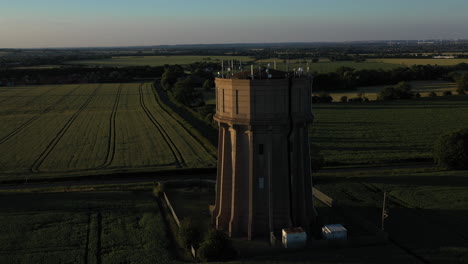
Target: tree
(216,247)
(170,76)
(208,85)
(190,233)
(462,82)
(451,150)
(401,91)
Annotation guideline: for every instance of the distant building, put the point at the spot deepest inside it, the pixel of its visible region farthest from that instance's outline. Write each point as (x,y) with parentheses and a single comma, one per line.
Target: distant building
(264,181)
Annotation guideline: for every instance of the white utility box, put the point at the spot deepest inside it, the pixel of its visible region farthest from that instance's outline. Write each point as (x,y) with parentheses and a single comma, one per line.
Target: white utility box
(294,237)
(334,232)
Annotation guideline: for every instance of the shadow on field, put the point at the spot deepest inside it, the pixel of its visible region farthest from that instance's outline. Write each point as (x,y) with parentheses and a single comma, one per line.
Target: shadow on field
(432,180)
(424,235)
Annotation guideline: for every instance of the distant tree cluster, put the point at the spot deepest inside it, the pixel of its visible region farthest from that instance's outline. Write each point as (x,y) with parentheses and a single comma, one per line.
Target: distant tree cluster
(346,78)
(451,150)
(77,75)
(400,91)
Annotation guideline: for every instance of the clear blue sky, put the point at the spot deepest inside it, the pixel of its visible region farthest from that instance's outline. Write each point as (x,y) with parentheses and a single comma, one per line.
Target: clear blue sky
(64,23)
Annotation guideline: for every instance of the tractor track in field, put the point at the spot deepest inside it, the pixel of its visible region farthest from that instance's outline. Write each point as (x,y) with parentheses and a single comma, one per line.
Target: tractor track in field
(88,231)
(30,101)
(112,132)
(38,162)
(175,151)
(157,99)
(32,119)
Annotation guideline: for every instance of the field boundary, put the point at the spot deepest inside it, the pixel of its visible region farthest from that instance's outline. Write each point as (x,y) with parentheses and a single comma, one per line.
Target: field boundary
(179,159)
(192,132)
(207,134)
(176,219)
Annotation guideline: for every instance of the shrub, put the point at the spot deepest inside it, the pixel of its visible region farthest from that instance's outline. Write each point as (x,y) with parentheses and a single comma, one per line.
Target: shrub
(401,91)
(189,233)
(325,98)
(387,93)
(447,93)
(159,189)
(208,85)
(322,98)
(451,150)
(432,94)
(216,247)
(344,99)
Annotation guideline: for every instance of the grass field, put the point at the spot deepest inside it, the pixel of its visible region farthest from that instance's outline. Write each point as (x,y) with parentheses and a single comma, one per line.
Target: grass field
(385,132)
(107,227)
(93,128)
(410,62)
(427,207)
(156,60)
(421,87)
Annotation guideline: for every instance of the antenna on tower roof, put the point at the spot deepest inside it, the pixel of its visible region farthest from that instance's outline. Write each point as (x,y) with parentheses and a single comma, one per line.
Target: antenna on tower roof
(222,69)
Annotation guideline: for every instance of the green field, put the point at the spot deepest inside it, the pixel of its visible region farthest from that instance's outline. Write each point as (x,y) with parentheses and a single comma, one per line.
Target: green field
(66,130)
(96,227)
(156,60)
(385,132)
(410,62)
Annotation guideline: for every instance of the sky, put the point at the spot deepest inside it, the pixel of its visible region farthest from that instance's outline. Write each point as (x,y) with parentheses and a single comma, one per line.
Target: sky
(92,23)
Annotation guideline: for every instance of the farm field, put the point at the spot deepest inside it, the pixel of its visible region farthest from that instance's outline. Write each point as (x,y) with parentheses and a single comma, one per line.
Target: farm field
(156,60)
(61,130)
(385,132)
(427,207)
(328,66)
(410,62)
(421,87)
(87,227)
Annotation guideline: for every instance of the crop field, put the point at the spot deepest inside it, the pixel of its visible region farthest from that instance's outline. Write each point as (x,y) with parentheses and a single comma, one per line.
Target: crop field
(156,60)
(63,130)
(421,87)
(410,62)
(385,132)
(92,227)
(328,66)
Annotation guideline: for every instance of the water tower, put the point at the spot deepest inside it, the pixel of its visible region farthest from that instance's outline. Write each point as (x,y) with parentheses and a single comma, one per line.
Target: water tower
(264,179)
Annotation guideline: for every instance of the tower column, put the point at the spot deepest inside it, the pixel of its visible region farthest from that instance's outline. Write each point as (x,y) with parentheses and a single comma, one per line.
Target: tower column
(224,180)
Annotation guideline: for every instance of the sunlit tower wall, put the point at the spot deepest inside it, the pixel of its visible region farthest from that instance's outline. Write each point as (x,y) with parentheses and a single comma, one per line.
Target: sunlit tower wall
(264,179)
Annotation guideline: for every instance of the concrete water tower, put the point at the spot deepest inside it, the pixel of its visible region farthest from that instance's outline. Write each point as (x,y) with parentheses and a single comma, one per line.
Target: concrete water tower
(264,179)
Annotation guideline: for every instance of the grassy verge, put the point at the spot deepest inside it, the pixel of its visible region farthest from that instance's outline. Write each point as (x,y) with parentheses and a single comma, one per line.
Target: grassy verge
(191,120)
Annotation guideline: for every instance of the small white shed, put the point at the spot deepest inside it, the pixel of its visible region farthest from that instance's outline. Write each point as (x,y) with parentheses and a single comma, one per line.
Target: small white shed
(334,232)
(294,237)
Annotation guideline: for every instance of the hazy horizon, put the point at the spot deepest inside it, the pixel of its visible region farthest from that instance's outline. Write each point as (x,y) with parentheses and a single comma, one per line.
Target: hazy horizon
(61,24)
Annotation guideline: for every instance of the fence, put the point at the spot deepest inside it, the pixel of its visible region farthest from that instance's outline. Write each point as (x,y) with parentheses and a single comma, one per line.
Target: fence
(322,197)
(176,219)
